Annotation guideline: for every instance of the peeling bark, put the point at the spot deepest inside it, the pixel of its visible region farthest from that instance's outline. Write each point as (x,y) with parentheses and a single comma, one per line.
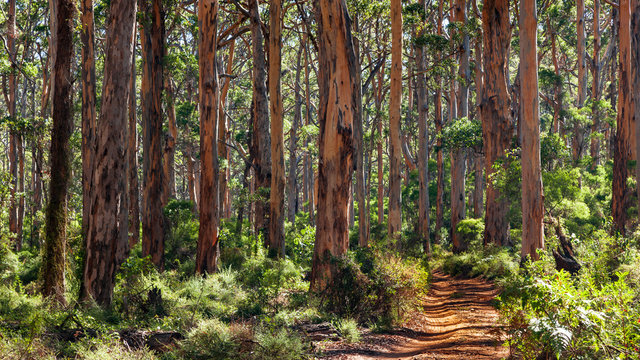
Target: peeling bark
(532,194)
(108,225)
(208,246)
(395,102)
(336,111)
(494,111)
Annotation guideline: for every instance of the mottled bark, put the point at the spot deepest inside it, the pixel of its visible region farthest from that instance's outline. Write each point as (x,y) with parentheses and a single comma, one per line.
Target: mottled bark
(88,108)
(622,151)
(108,225)
(497,130)
(532,194)
(395,102)
(54,259)
(152,39)
(260,141)
(208,246)
(276,198)
(336,110)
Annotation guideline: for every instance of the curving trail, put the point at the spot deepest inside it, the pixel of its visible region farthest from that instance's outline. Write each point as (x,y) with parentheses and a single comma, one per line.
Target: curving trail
(457,322)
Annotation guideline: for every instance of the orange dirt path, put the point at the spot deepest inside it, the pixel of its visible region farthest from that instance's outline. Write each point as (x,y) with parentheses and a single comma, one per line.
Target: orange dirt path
(457,322)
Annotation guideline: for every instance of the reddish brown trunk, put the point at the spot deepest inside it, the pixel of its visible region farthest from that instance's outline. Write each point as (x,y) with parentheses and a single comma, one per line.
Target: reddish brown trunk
(54,259)
(208,246)
(336,110)
(532,195)
(423,145)
(152,39)
(622,152)
(107,231)
(395,102)
(494,112)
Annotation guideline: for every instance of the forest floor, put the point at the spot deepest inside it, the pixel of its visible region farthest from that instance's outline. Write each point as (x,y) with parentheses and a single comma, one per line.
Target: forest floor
(458,321)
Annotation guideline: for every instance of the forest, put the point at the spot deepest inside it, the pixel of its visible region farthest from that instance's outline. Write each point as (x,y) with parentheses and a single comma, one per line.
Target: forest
(326,179)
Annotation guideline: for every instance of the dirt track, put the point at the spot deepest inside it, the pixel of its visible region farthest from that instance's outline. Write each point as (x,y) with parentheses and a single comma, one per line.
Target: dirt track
(457,322)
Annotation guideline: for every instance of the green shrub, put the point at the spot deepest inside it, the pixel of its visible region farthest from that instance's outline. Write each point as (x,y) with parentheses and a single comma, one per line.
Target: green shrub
(279,344)
(570,318)
(371,286)
(211,339)
(348,329)
(111,349)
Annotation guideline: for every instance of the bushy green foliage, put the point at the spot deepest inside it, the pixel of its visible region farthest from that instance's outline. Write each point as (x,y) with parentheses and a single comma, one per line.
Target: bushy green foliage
(492,262)
(279,344)
(110,348)
(374,286)
(571,318)
(348,329)
(211,339)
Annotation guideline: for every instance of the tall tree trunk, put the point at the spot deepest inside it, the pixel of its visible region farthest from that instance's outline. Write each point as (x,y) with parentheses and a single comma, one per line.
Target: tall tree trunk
(308,166)
(276,200)
(478,191)
(494,112)
(458,156)
(132,155)
(14,136)
(532,195)
(635,75)
(152,39)
(336,110)
(292,183)
(88,108)
(169,151)
(223,139)
(423,145)
(379,150)
(622,153)
(261,141)
(107,232)
(557,87)
(582,80)
(208,246)
(395,102)
(54,259)
(439,155)
(595,88)
(360,190)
